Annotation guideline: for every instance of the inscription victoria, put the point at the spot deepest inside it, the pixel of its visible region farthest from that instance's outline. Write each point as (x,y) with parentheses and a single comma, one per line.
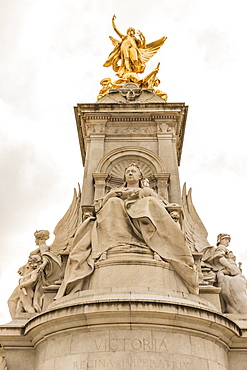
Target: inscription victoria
(130,344)
(135,344)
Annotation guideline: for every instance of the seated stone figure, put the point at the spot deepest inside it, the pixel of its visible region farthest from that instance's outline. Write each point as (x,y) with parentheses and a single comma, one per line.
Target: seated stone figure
(228,276)
(131,214)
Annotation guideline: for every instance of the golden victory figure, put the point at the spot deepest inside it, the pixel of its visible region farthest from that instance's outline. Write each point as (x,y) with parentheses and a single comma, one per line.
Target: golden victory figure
(131,51)
(129,58)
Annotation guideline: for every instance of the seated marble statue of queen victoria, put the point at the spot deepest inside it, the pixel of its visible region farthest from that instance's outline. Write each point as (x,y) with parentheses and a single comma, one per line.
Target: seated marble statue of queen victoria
(131,214)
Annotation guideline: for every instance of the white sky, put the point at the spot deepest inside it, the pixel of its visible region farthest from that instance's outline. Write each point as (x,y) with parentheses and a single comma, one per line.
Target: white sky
(52,52)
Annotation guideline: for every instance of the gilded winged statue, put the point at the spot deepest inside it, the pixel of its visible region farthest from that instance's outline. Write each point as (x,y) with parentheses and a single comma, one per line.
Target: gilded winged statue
(131,54)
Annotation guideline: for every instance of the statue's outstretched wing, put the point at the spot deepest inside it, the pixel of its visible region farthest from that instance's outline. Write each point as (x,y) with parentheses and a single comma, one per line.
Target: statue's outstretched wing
(114,56)
(114,41)
(65,230)
(151,49)
(194,230)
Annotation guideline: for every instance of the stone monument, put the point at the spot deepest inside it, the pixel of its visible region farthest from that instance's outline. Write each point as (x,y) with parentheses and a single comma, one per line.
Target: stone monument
(130,281)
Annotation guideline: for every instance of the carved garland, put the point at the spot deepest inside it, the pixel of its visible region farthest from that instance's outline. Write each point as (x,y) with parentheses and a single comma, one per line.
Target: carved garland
(131,130)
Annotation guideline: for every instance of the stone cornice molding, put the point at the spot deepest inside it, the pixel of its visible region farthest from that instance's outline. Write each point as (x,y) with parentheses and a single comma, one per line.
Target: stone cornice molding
(151,311)
(160,117)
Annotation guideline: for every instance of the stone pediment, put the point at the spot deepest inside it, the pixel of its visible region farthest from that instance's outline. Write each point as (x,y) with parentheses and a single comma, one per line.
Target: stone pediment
(130,93)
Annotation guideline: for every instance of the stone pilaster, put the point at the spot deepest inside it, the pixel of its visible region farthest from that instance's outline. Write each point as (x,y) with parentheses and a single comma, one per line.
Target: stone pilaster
(163,184)
(99,184)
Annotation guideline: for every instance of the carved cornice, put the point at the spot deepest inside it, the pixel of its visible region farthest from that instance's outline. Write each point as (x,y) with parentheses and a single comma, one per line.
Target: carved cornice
(164,117)
(128,119)
(97,117)
(131,119)
(80,135)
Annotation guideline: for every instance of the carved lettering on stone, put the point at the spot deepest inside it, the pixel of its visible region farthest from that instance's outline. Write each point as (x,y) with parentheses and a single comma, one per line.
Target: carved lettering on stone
(132,363)
(130,344)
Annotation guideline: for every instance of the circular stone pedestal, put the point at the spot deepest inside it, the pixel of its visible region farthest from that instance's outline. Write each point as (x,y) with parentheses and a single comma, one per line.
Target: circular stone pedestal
(135,267)
(129,334)
(137,314)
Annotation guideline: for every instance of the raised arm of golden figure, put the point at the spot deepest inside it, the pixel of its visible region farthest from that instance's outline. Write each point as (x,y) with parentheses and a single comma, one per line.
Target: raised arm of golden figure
(142,39)
(115,27)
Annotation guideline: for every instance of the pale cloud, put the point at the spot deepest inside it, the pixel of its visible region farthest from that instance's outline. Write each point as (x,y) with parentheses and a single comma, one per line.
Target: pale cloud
(217,47)
(52,55)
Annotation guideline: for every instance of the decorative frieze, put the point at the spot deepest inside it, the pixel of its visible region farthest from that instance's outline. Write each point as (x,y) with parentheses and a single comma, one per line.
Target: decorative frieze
(95,128)
(119,130)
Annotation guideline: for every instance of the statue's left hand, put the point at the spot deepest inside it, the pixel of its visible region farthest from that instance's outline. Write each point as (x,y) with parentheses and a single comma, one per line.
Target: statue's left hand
(140,34)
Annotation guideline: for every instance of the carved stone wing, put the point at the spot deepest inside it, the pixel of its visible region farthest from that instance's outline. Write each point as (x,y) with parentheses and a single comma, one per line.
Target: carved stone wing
(194,230)
(151,49)
(65,230)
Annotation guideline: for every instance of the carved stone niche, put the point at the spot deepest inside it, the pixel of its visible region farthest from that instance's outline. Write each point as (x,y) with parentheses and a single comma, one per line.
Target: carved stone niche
(110,171)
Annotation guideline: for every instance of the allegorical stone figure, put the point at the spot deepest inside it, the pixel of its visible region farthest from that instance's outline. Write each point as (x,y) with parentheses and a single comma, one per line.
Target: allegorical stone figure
(42,269)
(228,275)
(21,300)
(130,214)
(50,269)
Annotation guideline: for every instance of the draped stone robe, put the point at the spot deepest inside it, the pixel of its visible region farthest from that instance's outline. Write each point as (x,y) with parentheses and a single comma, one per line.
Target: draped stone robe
(143,220)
